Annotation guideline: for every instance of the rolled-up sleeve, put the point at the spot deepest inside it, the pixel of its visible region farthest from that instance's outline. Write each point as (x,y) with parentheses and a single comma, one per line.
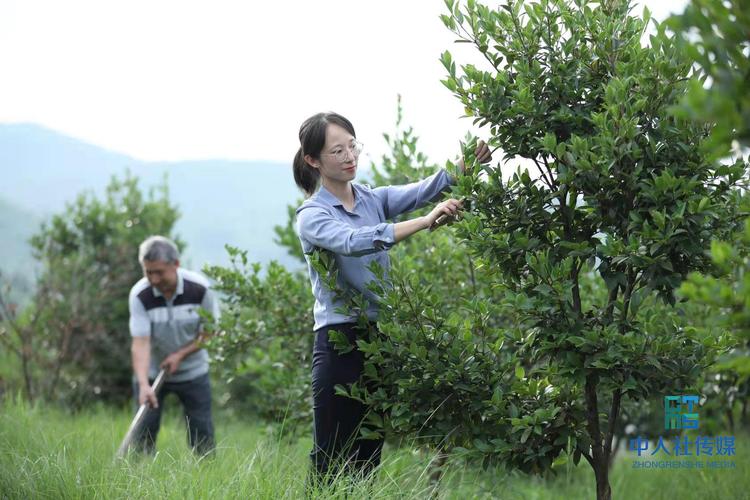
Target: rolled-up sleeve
(140,324)
(405,198)
(323,230)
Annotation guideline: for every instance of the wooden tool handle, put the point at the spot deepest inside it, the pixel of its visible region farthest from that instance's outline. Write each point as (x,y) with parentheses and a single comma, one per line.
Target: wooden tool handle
(139,416)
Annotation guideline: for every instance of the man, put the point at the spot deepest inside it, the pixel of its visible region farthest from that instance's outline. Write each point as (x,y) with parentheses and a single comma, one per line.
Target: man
(166,333)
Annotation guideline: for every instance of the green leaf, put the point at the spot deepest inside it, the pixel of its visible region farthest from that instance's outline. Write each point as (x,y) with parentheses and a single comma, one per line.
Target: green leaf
(340,342)
(560,460)
(526,434)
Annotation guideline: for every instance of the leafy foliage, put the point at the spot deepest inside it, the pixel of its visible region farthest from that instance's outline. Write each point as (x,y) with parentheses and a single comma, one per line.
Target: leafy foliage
(725,291)
(583,256)
(72,341)
(264,344)
(715,36)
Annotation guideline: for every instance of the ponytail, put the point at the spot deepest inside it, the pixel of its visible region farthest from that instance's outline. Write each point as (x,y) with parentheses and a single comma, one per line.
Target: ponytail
(305,176)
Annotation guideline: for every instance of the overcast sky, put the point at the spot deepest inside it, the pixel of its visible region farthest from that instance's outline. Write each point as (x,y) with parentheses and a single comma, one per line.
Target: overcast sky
(183,79)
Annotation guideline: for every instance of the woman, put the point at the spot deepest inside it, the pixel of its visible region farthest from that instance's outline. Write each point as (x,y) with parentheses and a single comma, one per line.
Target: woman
(349,220)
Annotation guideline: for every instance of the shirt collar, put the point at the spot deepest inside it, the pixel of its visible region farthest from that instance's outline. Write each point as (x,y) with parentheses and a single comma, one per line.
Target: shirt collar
(178,291)
(330,198)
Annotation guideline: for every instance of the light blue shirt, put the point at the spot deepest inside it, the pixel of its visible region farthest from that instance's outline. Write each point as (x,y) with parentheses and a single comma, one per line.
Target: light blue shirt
(357,238)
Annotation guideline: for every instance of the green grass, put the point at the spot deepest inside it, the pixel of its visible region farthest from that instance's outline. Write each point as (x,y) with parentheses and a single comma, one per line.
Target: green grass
(47,453)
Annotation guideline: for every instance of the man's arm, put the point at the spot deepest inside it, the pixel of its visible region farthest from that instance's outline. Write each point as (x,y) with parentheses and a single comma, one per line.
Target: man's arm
(140,348)
(140,351)
(172,362)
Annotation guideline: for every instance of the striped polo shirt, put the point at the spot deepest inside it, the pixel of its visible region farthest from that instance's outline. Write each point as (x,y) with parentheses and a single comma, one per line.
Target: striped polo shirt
(173,323)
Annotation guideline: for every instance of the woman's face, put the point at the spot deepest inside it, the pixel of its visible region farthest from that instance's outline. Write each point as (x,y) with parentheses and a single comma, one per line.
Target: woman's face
(341,144)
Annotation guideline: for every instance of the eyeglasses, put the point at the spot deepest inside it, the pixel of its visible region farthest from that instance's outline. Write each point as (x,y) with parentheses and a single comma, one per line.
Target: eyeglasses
(342,154)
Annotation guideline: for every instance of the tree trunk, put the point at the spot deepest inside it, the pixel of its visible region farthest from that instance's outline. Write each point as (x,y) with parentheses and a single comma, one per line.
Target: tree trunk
(62,352)
(436,472)
(600,445)
(603,491)
(25,368)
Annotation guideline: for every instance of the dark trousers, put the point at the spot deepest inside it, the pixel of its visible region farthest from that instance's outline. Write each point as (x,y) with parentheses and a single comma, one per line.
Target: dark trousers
(337,419)
(195,396)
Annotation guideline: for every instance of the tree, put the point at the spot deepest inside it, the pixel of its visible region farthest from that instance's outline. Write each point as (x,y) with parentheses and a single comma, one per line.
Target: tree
(623,192)
(72,341)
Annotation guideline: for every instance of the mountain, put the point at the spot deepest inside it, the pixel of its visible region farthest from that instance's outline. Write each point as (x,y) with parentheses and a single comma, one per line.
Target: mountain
(221,202)
(16,227)
(17,266)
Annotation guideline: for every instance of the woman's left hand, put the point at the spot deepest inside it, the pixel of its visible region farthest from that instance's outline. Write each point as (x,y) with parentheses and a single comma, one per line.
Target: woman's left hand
(482,154)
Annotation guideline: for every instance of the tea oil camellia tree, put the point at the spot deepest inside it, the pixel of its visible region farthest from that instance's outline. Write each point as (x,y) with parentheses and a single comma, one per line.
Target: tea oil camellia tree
(621,191)
(442,328)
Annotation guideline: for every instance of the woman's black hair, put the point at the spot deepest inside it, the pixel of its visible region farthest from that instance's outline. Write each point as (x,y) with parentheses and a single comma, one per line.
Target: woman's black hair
(312,138)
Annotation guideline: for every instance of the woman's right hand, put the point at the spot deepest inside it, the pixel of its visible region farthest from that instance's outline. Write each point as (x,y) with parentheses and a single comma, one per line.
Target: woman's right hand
(449,207)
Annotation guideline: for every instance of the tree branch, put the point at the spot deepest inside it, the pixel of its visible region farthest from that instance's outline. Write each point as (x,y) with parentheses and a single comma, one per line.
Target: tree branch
(626,299)
(592,418)
(471,274)
(5,340)
(549,170)
(611,298)
(588,459)
(613,414)
(544,177)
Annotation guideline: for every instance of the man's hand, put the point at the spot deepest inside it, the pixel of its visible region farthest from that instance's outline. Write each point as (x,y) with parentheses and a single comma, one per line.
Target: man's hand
(146,394)
(171,362)
(482,153)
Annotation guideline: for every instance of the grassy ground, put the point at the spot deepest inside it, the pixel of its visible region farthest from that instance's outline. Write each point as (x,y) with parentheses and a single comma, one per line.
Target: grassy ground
(46,453)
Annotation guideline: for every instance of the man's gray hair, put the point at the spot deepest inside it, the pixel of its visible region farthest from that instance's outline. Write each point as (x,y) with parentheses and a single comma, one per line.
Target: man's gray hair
(158,248)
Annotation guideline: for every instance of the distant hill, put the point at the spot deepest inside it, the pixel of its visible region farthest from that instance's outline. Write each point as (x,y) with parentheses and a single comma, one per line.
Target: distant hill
(16,227)
(234,202)
(17,265)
